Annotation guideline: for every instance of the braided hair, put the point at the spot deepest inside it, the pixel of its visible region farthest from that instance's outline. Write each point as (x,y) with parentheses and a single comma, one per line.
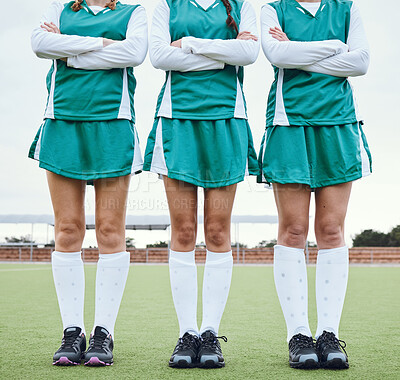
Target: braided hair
(77,6)
(230,21)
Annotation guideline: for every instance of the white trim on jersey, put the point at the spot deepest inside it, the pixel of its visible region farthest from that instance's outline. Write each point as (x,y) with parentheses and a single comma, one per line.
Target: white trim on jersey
(158,164)
(356,108)
(125,106)
(240,109)
(49,113)
(137,163)
(166,102)
(280,117)
(38,144)
(365,163)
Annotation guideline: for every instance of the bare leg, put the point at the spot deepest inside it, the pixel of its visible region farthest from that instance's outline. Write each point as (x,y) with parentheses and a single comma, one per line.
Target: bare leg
(111,197)
(331,207)
(218,205)
(182,203)
(67,196)
(293,204)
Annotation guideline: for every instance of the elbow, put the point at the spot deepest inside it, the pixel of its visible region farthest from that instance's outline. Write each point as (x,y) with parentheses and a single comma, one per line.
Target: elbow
(156,60)
(363,64)
(365,59)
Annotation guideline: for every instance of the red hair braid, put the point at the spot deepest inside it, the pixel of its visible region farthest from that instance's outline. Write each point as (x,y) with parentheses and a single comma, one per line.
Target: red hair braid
(77,6)
(230,21)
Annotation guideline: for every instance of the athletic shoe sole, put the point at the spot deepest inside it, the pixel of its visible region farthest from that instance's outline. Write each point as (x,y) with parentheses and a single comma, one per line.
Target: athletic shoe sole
(211,364)
(96,362)
(336,363)
(64,361)
(307,364)
(182,364)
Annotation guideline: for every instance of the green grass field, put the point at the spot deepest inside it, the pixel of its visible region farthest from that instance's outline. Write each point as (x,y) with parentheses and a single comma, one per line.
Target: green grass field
(146,330)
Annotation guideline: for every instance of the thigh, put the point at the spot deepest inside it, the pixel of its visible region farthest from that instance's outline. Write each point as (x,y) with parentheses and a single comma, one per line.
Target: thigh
(293,205)
(182,204)
(111,196)
(218,204)
(331,204)
(67,197)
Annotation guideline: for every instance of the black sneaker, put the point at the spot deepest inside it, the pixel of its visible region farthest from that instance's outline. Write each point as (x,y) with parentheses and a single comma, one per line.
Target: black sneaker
(302,352)
(73,346)
(332,354)
(210,354)
(185,352)
(100,348)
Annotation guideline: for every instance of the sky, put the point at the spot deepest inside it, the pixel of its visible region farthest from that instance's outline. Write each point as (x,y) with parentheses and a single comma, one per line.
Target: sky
(23,189)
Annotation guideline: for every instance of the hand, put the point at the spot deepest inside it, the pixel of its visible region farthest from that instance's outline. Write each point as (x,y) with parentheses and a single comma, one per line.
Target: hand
(177,43)
(278,34)
(50,27)
(246,36)
(107,42)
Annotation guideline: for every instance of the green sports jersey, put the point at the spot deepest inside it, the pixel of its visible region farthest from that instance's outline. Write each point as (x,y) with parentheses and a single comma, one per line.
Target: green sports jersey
(76,94)
(308,98)
(206,94)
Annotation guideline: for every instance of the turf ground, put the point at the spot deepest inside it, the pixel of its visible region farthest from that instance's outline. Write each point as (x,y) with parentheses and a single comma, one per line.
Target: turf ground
(146,330)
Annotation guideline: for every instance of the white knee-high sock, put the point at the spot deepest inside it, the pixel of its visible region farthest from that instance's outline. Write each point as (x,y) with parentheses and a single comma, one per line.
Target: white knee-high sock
(330,286)
(216,284)
(183,277)
(290,274)
(69,280)
(112,272)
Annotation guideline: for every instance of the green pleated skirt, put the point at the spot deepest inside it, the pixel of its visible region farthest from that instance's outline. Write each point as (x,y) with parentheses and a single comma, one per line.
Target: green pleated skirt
(314,156)
(87,150)
(206,153)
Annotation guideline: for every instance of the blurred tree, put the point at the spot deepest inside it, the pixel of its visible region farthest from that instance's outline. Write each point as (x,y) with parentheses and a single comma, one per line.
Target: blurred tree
(394,237)
(159,244)
(22,239)
(130,242)
(371,238)
(266,243)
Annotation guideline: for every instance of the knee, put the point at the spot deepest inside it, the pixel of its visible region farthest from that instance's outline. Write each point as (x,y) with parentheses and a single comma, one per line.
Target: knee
(69,234)
(295,235)
(217,233)
(109,234)
(185,233)
(329,234)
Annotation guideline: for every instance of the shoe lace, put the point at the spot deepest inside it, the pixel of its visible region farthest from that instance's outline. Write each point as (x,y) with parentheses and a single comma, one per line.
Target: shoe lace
(187,342)
(302,341)
(328,339)
(68,340)
(97,341)
(211,341)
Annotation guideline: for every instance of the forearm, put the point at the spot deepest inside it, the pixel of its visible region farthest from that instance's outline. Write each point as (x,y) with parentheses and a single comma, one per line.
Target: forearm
(163,56)
(293,54)
(171,58)
(234,51)
(128,53)
(54,46)
(351,64)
